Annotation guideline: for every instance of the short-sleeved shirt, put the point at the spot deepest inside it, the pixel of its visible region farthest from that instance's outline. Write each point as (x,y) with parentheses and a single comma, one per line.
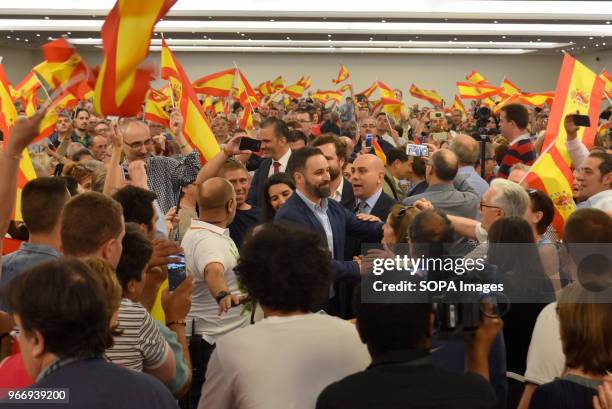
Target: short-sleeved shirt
(141,345)
(205,243)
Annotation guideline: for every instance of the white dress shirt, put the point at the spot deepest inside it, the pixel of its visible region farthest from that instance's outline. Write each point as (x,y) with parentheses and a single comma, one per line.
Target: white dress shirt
(283,163)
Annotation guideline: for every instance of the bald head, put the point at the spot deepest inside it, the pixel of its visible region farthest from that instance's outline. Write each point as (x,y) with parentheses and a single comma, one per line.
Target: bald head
(367,176)
(444,166)
(466,148)
(137,138)
(214,194)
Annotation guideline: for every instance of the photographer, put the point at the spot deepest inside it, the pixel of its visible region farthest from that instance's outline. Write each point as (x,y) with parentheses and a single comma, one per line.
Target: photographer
(399,339)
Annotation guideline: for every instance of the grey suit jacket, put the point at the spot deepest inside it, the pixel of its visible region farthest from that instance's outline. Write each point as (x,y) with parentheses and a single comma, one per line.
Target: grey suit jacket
(447,198)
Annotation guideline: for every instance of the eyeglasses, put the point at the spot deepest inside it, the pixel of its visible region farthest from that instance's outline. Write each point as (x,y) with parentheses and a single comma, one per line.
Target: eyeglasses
(138,145)
(484,205)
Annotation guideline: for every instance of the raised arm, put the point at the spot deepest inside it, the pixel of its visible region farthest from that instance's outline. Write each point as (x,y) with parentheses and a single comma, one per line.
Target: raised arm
(211,168)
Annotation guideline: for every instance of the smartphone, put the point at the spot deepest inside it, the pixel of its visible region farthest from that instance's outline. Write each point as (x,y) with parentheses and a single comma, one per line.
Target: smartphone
(59,168)
(581,120)
(177,272)
(436,115)
(249,144)
(368,142)
(416,150)
(440,136)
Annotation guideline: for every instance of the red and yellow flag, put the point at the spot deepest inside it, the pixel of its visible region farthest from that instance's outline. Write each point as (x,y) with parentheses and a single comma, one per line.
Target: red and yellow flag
(475,77)
(123,81)
(458,106)
(391,106)
(157,107)
(8,116)
(578,90)
(508,88)
(66,101)
(607,79)
(325,96)
(246,120)
(552,175)
(295,90)
(265,88)
(468,90)
(344,88)
(218,84)
(278,83)
(245,91)
(62,65)
(385,90)
(428,95)
(195,125)
(370,90)
(343,75)
(378,151)
(27,85)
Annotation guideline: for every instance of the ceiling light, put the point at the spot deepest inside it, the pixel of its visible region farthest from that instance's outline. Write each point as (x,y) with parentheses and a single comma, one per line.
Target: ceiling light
(348,43)
(242,35)
(315,27)
(455,39)
(329,35)
(503,36)
(26,40)
(590,38)
(8,36)
(17,39)
(349,50)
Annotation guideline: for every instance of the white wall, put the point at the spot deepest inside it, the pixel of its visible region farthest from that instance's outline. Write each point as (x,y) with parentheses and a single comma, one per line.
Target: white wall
(533,73)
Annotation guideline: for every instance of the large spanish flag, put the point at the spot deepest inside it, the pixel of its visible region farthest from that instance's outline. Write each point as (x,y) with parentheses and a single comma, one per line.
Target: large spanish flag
(475,77)
(343,75)
(578,90)
(469,90)
(552,175)
(218,84)
(8,116)
(428,95)
(123,81)
(195,126)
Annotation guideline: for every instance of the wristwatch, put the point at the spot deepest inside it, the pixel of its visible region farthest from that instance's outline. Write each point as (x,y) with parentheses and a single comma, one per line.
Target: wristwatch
(221,295)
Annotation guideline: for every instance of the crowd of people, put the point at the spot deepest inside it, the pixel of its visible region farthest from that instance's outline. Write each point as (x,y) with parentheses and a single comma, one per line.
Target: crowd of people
(147,277)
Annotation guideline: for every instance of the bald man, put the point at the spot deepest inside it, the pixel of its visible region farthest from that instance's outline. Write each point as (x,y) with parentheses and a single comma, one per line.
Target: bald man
(165,175)
(211,255)
(441,170)
(367,178)
(467,150)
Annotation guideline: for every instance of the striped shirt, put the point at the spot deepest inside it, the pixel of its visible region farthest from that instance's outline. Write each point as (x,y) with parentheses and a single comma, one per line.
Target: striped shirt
(519,151)
(141,345)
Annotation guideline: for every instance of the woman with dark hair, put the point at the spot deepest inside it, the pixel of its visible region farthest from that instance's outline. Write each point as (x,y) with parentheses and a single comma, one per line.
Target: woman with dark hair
(277,190)
(539,215)
(512,249)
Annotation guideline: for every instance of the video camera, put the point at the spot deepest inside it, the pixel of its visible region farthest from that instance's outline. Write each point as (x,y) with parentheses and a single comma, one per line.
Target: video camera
(482,116)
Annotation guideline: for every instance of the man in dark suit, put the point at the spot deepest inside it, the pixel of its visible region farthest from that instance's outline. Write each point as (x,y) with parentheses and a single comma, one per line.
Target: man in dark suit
(310,206)
(274,146)
(335,152)
(367,180)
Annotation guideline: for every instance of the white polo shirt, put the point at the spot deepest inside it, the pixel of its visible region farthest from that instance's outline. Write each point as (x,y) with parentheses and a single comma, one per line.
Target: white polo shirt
(205,243)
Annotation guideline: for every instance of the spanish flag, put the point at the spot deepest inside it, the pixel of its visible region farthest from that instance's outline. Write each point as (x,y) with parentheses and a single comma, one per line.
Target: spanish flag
(538,99)
(551,174)
(246,120)
(578,90)
(325,96)
(278,83)
(428,95)
(218,84)
(63,64)
(27,85)
(8,116)
(607,79)
(378,151)
(468,90)
(66,101)
(296,90)
(157,107)
(475,77)
(370,90)
(344,88)
(307,83)
(458,106)
(195,126)
(265,88)
(392,106)
(245,91)
(508,88)
(123,81)
(385,90)
(343,75)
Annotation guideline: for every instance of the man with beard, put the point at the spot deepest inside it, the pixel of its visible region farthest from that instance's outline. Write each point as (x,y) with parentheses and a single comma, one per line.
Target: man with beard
(310,206)
(81,122)
(335,152)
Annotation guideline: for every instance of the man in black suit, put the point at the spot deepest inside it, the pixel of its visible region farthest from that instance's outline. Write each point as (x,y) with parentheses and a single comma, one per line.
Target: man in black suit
(310,206)
(275,148)
(335,152)
(367,179)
